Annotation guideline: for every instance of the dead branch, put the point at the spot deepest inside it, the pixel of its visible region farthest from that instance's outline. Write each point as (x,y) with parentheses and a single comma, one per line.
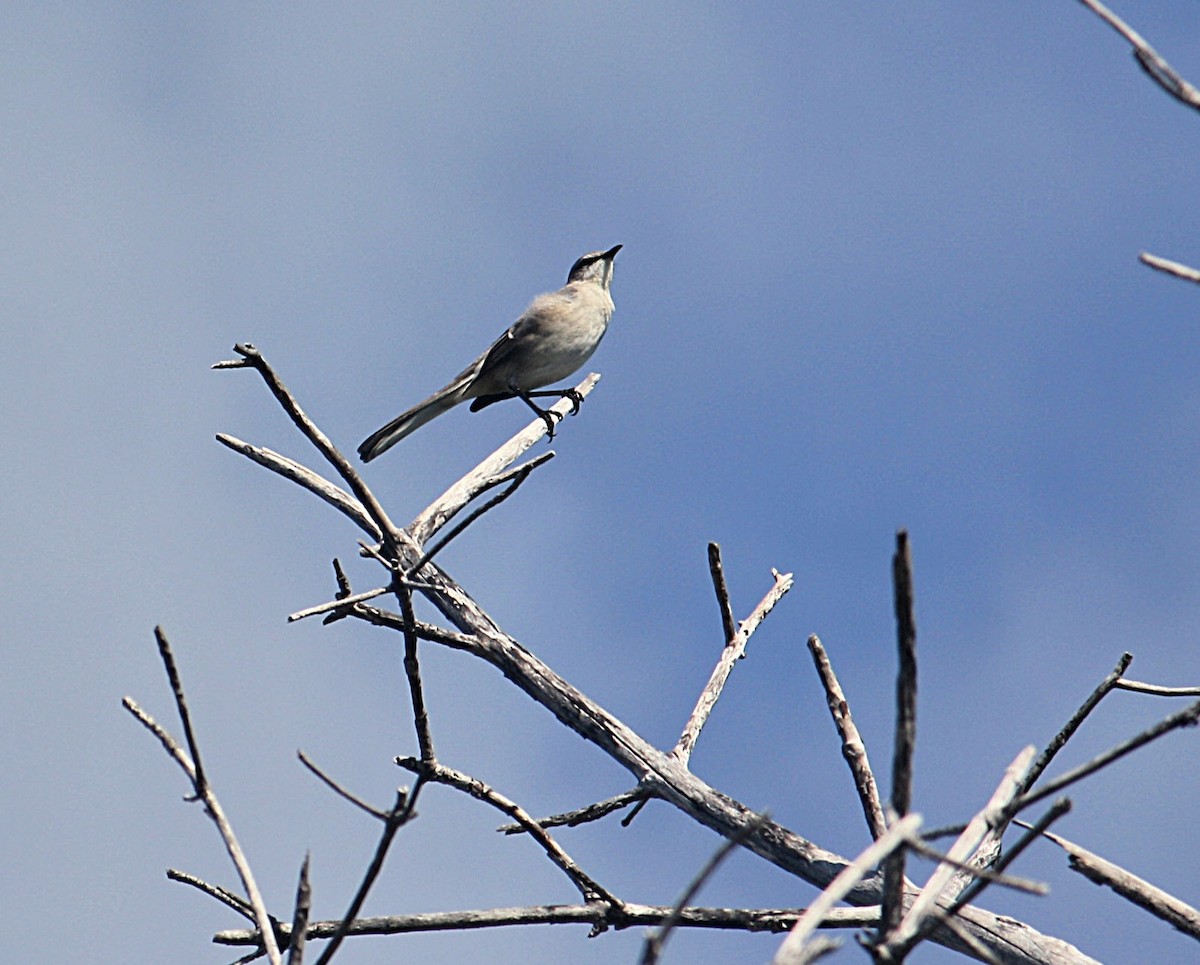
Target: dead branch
(853,749)
(906,727)
(1159,903)
(1148,58)
(1186,272)
(599,916)
(299,932)
(1137,687)
(204,792)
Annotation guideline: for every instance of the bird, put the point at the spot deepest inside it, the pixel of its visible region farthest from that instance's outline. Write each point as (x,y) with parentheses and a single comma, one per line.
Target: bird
(554,336)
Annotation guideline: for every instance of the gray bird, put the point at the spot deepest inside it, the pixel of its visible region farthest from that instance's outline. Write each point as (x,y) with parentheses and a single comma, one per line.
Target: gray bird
(556,335)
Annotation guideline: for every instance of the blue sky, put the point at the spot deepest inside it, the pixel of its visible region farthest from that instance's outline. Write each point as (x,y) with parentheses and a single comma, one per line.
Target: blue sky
(879,271)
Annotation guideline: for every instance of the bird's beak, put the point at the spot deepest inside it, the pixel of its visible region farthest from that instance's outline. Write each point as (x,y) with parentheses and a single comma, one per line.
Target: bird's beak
(612,252)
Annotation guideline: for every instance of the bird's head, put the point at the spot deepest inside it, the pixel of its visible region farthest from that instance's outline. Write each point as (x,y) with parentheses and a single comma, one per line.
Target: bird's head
(595,266)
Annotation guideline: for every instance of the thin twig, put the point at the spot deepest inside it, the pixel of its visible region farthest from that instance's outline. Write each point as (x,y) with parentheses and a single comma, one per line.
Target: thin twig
(300,918)
(1186,272)
(254,359)
(412,671)
(398,816)
(315,483)
(1072,725)
(204,792)
(341,791)
(223,895)
(1161,904)
(895,837)
(657,940)
(1185,718)
(339,603)
(853,749)
(592,812)
(722,590)
(976,872)
(1137,687)
(519,477)
(1148,58)
(734,649)
(589,888)
(906,727)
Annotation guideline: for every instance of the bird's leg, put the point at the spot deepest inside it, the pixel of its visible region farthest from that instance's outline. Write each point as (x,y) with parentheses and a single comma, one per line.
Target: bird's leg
(572,394)
(547,414)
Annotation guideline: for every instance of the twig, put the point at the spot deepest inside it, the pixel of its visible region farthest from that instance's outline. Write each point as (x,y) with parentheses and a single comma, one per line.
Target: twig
(518,477)
(1186,272)
(734,649)
(488,472)
(722,590)
(853,749)
(978,872)
(589,888)
(300,918)
(1072,725)
(316,484)
(1159,903)
(598,915)
(656,941)
(412,670)
(341,791)
(592,812)
(895,837)
(1185,718)
(1137,687)
(397,817)
(339,603)
(906,727)
(223,895)
(1148,58)
(204,792)
(253,358)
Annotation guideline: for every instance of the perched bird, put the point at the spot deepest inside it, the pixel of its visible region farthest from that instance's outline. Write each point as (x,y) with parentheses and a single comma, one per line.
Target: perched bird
(556,335)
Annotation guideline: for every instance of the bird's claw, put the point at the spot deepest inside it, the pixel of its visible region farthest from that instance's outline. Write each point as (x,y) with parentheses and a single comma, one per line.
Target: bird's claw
(551,418)
(576,399)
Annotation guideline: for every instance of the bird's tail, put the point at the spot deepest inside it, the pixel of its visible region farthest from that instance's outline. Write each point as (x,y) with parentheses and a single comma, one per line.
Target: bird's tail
(383,439)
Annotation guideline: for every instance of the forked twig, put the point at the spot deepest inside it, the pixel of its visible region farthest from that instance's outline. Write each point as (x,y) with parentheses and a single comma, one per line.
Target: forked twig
(203,792)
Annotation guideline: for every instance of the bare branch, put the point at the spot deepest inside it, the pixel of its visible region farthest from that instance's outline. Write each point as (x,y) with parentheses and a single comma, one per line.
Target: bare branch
(300,918)
(488,472)
(204,792)
(592,812)
(223,895)
(1072,725)
(734,650)
(722,590)
(341,791)
(1148,58)
(1159,903)
(400,814)
(853,749)
(316,484)
(340,602)
(906,726)
(412,670)
(841,886)
(588,887)
(598,915)
(1185,718)
(1185,272)
(656,941)
(1138,687)
(254,359)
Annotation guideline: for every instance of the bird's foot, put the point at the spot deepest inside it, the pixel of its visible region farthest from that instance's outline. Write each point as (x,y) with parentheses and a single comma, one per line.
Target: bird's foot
(551,418)
(576,399)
